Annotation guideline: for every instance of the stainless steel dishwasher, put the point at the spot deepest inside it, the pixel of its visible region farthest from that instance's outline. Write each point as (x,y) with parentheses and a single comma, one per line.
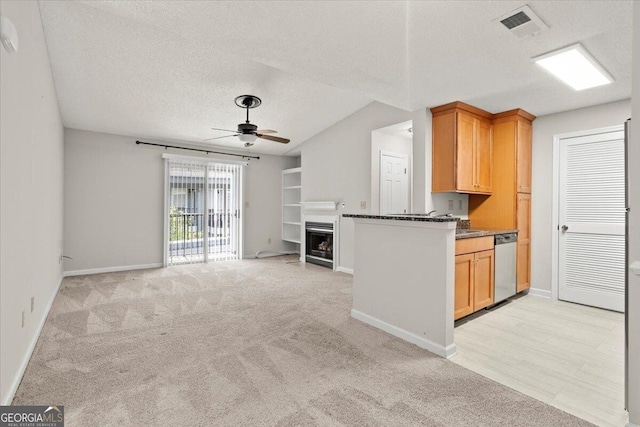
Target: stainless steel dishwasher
(505,266)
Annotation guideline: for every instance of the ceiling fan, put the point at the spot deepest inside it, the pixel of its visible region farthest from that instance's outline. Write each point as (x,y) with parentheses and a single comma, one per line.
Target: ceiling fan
(248,132)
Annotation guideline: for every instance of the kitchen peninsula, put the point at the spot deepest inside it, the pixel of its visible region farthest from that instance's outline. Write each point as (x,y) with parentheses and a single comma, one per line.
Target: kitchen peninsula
(404,277)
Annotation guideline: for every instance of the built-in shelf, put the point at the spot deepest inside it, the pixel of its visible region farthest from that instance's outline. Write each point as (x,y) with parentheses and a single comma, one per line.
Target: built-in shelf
(291,206)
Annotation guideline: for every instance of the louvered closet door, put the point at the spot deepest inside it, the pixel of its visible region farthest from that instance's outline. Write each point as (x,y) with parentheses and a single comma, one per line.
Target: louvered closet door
(592,220)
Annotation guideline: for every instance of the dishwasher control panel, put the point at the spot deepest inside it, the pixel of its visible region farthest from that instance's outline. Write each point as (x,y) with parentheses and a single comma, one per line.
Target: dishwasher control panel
(501,239)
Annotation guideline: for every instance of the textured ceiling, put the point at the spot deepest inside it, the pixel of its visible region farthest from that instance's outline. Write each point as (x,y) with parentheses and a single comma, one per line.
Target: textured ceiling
(170,70)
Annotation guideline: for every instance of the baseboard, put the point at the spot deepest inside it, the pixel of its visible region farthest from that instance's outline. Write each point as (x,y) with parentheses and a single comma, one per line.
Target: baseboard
(112,269)
(543,293)
(448,351)
(271,254)
(32,346)
(344,270)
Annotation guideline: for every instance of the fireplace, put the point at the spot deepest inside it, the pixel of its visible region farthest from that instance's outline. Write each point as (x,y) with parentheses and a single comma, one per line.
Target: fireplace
(319,243)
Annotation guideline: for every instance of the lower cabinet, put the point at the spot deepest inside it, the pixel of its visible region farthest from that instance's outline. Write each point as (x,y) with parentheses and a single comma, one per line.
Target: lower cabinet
(474,277)
(523,223)
(483,280)
(464,285)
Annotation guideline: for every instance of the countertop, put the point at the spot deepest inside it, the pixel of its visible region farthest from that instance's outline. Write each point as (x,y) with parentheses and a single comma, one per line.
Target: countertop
(407,217)
(474,232)
(461,233)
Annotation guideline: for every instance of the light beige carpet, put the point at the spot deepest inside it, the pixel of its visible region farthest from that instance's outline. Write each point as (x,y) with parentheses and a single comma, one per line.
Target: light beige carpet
(256,342)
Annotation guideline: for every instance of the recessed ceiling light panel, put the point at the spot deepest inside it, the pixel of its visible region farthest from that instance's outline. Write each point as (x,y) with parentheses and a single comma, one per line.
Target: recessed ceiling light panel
(575,67)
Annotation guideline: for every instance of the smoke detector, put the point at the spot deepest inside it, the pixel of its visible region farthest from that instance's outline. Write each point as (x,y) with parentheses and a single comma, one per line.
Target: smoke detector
(522,22)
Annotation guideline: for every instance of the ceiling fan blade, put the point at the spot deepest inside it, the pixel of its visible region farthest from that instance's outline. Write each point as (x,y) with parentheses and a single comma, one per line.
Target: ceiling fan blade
(266,131)
(225,130)
(220,137)
(273,138)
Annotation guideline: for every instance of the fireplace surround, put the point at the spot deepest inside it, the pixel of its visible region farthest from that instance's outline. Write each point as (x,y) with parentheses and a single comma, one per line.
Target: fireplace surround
(314,214)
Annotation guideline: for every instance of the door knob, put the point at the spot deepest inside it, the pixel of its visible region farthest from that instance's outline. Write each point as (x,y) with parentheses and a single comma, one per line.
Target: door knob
(565,228)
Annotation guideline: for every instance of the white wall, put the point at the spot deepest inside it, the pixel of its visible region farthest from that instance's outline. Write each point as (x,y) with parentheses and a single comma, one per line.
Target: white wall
(31,196)
(544,129)
(263,217)
(114,192)
(425,200)
(394,143)
(634,230)
(336,166)
(421,154)
(419,306)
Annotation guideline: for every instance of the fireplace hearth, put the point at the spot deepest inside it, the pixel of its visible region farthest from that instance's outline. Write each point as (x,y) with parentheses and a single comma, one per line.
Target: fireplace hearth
(319,243)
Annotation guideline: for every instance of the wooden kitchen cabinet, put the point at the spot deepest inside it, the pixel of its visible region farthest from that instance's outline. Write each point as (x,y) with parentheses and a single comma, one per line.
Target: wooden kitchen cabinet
(509,206)
(523,223)
(483,280)
(462,149)
(464,160)
(484,157)
(464,286)
(523,156)
(474,275)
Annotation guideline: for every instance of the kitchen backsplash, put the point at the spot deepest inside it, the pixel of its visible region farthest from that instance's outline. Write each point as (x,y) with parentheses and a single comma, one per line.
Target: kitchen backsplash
(463,224)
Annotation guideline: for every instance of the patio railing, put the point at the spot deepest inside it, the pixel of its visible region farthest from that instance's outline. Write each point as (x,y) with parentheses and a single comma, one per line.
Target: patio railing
(186,235)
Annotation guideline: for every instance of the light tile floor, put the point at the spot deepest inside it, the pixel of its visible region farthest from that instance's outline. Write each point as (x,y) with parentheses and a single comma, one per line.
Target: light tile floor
(567,355)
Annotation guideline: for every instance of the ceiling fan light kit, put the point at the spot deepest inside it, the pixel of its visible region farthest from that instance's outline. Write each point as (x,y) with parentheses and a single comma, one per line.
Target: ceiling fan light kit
(248,132)
(247,138)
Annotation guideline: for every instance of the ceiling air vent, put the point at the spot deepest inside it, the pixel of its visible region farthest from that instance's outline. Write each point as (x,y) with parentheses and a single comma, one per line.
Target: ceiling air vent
(522,22)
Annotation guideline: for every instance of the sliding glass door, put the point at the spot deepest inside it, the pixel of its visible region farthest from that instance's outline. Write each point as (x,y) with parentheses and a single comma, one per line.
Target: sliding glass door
(203,211)
(223,209)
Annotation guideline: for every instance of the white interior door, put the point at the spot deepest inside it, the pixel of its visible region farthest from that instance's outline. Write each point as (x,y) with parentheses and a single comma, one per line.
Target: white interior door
(592,220)
(394,183)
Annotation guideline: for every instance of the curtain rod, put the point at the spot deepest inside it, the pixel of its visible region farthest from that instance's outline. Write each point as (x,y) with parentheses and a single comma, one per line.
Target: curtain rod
(244,156)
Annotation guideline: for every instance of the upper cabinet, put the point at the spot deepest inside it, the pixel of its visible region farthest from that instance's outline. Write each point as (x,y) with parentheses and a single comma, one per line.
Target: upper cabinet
(484,157)
(523,160)
(511,173)
(462,149)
